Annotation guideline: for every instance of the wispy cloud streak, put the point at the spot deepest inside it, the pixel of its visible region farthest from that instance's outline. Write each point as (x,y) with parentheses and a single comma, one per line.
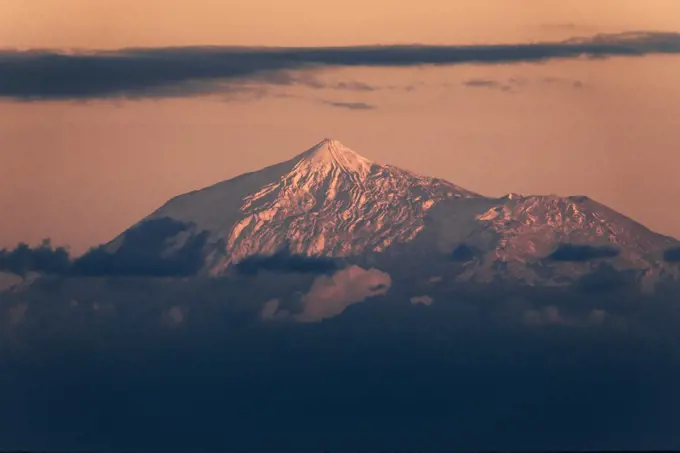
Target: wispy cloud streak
(349,105)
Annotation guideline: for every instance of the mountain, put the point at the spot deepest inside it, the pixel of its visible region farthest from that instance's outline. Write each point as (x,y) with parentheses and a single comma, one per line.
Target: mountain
(326,201)
(331,202)
(540,239)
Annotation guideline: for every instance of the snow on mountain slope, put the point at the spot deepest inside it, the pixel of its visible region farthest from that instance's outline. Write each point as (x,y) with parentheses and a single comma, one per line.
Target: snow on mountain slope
(534,225)
(329,201)
(326,201)
(534,239)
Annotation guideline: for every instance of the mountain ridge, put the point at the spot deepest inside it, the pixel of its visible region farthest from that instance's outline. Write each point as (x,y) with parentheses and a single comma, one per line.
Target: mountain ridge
(330,201)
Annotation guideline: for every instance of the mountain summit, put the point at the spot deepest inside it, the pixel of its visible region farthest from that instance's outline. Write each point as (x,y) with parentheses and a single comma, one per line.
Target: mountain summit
(329,201)
(331,155)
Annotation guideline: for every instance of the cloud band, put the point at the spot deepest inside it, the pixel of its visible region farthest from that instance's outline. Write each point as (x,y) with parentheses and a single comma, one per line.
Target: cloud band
(187,71)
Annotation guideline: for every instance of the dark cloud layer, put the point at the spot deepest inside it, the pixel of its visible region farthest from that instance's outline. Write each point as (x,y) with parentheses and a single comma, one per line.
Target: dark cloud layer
(44,258)
(140,254)
(187,365)
(165,72)
(578,252)
(285,261)
(605,278)
(672,255)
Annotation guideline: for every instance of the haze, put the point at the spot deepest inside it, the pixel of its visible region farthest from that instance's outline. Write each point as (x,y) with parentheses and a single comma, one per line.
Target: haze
(82,170)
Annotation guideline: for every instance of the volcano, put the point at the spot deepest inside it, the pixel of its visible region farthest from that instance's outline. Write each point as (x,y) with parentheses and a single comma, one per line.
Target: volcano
(331,202)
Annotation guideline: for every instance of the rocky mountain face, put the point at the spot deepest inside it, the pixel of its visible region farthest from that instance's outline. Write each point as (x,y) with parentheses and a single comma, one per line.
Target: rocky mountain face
(331,202)
(538,239)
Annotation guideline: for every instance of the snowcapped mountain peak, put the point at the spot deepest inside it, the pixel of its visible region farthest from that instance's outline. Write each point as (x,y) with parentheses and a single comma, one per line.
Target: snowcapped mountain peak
(328,201)
(329,155)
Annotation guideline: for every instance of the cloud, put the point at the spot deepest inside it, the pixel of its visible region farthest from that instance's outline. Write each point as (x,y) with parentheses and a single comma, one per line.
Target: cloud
(544,384)
(187,71)
(9,280)
(551,315)
(285,261)
(548,316)
(331,295)
(17,314)
(424,300)
(481,83)
(513,83)
(246,92)
(173,317)
(605,278)
(269,309)
(43,258)
(577,252)
(143,251)
(672,255)
(597,316)
(350,105)
(311,81)
(354,86)
(487,83)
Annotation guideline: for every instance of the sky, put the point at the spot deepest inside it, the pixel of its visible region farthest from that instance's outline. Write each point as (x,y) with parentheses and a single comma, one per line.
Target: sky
(90,146)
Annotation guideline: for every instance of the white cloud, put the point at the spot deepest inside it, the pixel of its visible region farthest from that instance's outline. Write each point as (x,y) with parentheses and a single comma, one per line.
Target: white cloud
(331,295)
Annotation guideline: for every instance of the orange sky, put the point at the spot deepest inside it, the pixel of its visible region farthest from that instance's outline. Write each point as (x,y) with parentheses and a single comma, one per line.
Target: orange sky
(82,172)
(120,23)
